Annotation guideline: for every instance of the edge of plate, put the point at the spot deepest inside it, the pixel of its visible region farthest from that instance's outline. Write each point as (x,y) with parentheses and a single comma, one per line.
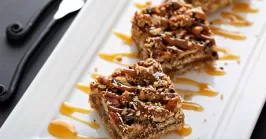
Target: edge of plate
(250,95)
(62,75)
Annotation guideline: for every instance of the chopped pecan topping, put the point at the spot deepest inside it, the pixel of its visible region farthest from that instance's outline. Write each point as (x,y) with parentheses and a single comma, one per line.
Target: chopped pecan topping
(169,18)
(139,94)
(175,34)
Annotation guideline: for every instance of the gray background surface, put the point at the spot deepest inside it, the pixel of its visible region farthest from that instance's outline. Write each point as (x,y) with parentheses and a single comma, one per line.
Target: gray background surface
(21,11)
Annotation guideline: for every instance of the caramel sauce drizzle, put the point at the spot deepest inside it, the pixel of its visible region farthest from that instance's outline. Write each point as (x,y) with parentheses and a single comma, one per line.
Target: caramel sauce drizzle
(95,75)
(185,130)
(127,39)
(142,6)
(84,88)
(228,55)
(192,106)
(234,19)
(68,109)
(214,71)
(228,34)
(113,57)
(64,129)
(204,89)
(244,7)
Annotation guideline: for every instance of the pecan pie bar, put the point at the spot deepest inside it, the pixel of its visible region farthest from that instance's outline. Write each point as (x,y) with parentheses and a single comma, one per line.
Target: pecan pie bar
(176,35)
(137,103)
(210,5)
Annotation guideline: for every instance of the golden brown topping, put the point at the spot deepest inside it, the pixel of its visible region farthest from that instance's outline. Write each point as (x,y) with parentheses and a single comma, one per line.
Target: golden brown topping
(174,25)
(138,94)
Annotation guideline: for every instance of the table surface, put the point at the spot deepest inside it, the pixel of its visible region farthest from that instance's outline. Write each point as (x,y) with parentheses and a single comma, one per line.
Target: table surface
(20,11)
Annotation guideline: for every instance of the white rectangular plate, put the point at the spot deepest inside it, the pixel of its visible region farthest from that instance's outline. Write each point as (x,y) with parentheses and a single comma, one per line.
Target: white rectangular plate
(75,57)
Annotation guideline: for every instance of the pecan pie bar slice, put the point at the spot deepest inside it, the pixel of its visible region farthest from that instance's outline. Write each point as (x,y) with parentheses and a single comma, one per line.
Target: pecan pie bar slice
(176,35)
(137,103)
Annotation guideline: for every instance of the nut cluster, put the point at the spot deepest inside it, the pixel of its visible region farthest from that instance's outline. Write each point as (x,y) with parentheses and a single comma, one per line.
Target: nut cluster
(140,94)
(173,26)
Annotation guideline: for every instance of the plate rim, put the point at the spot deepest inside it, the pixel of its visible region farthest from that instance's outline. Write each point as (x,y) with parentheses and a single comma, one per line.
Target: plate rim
(49,70)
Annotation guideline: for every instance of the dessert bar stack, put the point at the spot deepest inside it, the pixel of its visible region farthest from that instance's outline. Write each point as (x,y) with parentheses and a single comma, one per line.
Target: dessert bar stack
(141,101)
(137,103)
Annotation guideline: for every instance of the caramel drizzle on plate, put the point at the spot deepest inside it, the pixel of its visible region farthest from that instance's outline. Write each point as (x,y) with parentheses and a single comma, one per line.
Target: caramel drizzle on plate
(64,129)
(127,39)
(84,88)
(214,71)
(244,7)
(113,57)
(185,130)
(68,109)
(227,54)
(142,6)
(228,34)
(203,89)
(192,106)
(233,19)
